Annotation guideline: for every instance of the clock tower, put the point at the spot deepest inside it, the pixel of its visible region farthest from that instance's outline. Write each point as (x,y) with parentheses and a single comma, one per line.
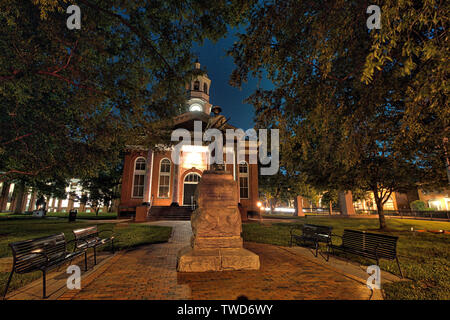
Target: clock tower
(199,93)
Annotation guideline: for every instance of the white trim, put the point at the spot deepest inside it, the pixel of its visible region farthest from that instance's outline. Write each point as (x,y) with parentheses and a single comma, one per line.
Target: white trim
(182,193)
(244,175)
(148,176)
(134,174)
(165,174)
(151,177)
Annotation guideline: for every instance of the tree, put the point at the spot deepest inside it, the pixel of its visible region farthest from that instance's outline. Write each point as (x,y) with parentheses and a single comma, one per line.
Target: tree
(283,187)
(356,109)
(330,196)
(69,99)
(102,189)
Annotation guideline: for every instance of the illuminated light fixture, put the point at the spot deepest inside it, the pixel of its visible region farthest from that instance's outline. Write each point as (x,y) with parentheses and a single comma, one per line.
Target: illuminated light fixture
(193,160)
(195,107)
(193,156)
(259,204)
(194,148)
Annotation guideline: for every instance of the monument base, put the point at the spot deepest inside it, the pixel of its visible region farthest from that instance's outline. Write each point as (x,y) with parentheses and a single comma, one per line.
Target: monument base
(222,259)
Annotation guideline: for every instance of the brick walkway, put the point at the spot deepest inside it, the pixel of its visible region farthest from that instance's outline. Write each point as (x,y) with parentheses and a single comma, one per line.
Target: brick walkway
(149,272)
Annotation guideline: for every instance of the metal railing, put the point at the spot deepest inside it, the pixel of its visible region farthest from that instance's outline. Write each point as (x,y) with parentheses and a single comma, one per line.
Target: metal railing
(405,213)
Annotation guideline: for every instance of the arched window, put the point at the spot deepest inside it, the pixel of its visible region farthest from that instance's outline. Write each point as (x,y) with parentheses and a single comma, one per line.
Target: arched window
(139,177)
(197,85)
(205,88)
(192,178)
(243,180)
(164,179)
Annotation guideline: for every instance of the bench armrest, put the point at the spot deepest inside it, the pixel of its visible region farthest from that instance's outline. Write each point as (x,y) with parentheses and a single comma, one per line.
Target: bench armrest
(76,242)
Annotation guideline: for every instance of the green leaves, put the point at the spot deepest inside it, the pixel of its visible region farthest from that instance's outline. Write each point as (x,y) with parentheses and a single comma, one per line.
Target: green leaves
(357,109)
(71,99)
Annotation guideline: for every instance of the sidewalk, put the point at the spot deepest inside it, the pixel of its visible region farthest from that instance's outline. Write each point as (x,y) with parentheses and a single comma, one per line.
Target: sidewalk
(149,272)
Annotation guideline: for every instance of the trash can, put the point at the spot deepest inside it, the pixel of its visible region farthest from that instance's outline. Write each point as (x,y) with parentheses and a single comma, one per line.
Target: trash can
(73,215)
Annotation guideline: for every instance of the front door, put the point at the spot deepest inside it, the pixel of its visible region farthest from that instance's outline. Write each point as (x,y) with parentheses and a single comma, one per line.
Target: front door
(189,190)
(189,186)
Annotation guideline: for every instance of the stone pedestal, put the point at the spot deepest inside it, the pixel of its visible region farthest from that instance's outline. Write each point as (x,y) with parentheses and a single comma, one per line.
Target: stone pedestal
(216,244)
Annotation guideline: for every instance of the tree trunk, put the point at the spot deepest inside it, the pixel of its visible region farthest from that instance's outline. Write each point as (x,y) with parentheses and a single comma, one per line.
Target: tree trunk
(380,212)
(272,206)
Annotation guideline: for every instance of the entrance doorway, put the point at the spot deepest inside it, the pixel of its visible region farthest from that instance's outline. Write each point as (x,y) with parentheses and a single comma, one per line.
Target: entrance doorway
(189,187)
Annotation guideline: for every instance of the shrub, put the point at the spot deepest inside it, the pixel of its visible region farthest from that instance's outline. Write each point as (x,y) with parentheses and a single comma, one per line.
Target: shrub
(418,205)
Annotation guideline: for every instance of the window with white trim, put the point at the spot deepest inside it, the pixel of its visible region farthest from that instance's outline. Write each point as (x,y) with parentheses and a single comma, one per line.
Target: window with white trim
(192,178)
(164,179)
(139,178)
(243,180)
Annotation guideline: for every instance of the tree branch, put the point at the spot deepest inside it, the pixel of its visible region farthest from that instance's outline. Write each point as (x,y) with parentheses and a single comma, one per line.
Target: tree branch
(132,28)
(16,139)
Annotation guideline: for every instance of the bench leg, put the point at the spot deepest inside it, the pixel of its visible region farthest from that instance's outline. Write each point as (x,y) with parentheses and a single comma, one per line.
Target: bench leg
(398,264)
(85,261)
(7,284)
(328,253)
(112,246)
(95,256)
(317,249)
(44,296)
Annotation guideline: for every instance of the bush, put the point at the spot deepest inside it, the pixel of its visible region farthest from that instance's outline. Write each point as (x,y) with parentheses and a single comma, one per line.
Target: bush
(418,205)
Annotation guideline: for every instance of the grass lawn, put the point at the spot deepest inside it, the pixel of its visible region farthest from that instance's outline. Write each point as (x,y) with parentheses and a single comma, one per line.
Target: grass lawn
(126,236)
(424,257)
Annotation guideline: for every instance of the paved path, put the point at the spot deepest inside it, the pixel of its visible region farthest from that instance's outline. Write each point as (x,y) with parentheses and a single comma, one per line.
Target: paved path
(149,272)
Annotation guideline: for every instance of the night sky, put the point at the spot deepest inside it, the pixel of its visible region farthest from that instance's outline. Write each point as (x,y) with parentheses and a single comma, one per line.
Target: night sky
(219,67)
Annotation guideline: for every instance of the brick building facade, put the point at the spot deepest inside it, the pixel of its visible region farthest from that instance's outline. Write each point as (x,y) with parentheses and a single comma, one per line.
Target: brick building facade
(153,177)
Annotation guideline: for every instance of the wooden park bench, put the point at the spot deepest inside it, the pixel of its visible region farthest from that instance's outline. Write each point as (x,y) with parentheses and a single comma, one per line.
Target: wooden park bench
(41,254)
(312,234)
(89,237)
(369,245)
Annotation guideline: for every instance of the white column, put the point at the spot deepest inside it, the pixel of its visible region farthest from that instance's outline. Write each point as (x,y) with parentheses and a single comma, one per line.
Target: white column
(148,176)
(176,177)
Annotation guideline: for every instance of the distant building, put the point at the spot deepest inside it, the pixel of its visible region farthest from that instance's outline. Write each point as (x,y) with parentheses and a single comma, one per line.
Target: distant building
(13,199)
(438,200)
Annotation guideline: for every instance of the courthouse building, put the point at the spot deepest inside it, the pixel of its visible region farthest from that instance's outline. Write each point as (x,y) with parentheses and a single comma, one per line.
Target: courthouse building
(168,185)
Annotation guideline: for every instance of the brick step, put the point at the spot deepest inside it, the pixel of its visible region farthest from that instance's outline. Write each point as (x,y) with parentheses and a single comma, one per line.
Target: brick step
(170,213)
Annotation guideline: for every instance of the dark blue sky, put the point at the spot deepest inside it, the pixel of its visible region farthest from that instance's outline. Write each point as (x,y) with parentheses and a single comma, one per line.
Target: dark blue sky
(219,66)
